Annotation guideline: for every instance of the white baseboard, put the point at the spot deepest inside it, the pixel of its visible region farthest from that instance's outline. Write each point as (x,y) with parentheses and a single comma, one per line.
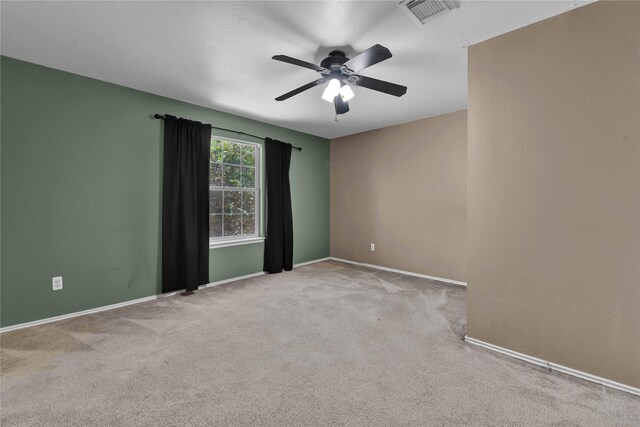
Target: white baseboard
(311,262)
(408,273)
(216,283)
(554,366)
(138,301)
(77,313)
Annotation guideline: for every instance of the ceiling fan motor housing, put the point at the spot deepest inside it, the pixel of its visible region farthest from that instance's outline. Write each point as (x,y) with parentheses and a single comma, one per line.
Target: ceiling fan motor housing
(334,62)
(335,59)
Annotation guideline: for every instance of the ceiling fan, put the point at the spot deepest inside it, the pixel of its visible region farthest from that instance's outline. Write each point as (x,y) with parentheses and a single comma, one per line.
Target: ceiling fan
(340,72)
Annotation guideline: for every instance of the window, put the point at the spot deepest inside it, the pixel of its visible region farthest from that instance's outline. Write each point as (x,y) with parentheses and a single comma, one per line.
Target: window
(234,191)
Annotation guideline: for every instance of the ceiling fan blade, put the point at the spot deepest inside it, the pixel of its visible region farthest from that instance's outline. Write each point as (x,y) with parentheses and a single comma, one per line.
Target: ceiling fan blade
(298,62)
(381,86)
(300,89)
(341,106)
(373,55)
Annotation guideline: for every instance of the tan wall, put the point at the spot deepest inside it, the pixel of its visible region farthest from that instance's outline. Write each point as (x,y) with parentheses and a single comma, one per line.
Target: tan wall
(554,190)
(403,188)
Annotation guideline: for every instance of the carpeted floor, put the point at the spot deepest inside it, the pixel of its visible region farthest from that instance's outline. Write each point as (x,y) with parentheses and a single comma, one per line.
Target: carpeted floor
(327,344)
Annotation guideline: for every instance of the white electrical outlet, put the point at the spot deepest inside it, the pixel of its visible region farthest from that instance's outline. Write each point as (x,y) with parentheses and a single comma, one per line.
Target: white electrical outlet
(57,283)
(373,247)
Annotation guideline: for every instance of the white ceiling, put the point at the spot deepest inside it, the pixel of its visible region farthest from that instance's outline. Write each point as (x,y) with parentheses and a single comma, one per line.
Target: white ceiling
(218,54)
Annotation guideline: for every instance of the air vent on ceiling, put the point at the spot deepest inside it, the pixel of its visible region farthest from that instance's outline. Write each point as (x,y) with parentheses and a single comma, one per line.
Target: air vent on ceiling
(424,10)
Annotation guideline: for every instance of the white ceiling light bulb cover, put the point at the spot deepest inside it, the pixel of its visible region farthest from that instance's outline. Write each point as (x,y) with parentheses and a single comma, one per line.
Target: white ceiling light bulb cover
(332,90)
(328,95)
(346,92)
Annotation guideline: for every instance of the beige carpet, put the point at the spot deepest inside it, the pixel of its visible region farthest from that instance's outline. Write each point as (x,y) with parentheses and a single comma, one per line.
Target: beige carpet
(326,344)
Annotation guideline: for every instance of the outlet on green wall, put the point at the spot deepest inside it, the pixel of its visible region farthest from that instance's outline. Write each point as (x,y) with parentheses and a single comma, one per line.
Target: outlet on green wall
(81,185)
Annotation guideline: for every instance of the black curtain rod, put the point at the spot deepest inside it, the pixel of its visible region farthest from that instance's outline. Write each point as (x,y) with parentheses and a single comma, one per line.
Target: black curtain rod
(158,116)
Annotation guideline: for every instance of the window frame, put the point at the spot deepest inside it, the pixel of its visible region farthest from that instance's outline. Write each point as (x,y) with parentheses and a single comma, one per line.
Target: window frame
(215,242)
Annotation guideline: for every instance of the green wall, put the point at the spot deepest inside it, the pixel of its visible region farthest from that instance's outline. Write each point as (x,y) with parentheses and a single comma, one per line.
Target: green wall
(81,184)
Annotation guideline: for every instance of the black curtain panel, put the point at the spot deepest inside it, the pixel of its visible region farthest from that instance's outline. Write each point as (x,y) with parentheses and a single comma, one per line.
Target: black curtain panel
(278,248)
(185,205)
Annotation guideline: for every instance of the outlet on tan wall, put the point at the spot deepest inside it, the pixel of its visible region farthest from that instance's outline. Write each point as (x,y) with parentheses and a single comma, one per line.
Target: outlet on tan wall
(398,196)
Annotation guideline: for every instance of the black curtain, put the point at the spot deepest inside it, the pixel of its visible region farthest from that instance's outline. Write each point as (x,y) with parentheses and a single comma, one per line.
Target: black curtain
(185,205)
(278,248)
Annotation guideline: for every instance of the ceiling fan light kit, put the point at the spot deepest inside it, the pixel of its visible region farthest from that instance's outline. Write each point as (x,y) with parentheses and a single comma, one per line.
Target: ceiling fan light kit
(340,71)
(332,90)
